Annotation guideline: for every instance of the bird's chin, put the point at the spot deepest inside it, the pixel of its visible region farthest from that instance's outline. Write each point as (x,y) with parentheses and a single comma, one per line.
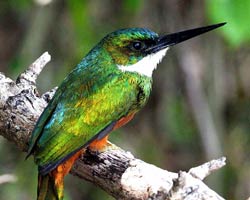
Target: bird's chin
(146,65)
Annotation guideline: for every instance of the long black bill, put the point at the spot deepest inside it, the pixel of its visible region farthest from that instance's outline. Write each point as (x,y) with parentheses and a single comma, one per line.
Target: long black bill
(175,38)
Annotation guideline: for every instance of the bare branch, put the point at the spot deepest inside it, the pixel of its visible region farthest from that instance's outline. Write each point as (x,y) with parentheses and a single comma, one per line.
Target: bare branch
(204,170)
(190,188)
(115,171)
(34,70)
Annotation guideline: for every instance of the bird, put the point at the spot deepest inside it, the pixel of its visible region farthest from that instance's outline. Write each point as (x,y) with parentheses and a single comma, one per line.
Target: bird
(101,94)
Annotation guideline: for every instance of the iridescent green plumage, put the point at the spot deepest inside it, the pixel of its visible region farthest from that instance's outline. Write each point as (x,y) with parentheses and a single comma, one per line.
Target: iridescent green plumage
(110,85)
(95,94)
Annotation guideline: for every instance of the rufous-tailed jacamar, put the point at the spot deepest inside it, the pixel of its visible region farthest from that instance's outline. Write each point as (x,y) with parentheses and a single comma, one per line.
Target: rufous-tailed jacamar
(104,92)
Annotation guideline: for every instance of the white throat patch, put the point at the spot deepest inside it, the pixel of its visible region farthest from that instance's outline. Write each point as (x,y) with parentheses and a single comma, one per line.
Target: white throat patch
(146,65)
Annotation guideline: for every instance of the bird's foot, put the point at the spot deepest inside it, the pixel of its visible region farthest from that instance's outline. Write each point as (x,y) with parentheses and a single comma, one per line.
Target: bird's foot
(107,147)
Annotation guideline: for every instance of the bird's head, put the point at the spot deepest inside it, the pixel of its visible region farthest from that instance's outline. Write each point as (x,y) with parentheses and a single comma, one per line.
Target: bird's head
(139,50)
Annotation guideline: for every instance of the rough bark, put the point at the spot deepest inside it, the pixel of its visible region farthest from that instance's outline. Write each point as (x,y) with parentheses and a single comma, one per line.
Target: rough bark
(116,171)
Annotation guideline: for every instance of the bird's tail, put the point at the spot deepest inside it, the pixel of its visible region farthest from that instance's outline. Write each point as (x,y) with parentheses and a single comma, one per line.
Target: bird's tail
(49,187)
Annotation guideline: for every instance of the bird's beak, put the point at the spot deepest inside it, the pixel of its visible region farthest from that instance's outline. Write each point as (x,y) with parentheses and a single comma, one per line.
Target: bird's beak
(175,38)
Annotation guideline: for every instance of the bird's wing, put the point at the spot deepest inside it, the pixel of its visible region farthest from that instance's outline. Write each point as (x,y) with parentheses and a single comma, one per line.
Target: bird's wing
(80,115)
(43,119)
(46,168)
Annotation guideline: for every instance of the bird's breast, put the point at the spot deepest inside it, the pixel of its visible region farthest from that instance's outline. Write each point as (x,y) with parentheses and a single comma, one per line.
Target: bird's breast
(142,85)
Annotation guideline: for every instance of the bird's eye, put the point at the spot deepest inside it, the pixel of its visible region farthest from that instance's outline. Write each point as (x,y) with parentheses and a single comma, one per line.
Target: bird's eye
(137,46)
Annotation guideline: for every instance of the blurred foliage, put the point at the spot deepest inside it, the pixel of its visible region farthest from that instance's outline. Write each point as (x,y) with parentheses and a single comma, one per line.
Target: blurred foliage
(132,6)
(18,6)
(165,132)
(80,14)
(179,121)
(236,13)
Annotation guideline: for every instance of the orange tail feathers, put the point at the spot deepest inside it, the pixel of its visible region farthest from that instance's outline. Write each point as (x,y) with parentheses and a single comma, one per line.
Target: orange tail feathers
(51,186)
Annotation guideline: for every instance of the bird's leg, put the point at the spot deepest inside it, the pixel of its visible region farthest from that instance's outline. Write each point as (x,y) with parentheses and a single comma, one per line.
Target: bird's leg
(98,146)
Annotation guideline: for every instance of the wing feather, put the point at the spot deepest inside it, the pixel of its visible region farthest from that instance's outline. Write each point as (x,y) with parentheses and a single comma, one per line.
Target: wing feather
(79,113)
(43,119)
(45,169)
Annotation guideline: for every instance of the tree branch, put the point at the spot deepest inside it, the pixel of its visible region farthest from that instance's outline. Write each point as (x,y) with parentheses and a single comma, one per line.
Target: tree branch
(116,171)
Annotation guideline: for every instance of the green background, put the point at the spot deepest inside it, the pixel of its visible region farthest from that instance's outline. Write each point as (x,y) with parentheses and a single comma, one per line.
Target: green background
(201,89)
